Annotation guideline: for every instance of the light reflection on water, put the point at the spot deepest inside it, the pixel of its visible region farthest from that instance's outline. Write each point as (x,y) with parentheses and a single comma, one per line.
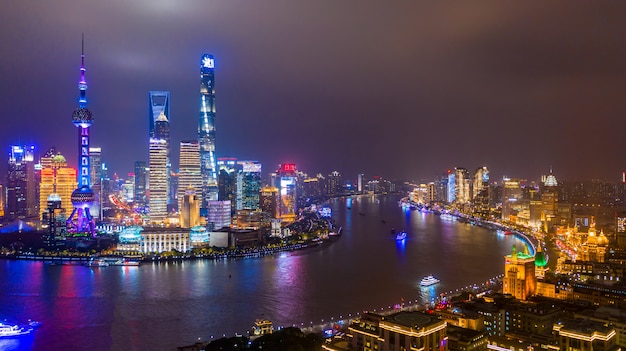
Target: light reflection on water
(165,305)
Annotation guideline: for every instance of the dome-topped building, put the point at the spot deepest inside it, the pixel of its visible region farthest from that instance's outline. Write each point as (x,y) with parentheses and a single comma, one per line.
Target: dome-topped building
(594,250)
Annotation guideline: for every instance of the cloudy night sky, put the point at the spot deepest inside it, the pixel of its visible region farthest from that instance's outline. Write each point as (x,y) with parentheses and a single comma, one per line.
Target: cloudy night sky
(404,89)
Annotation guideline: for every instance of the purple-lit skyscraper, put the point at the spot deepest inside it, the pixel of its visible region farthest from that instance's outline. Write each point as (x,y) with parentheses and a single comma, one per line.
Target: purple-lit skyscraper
(80,221)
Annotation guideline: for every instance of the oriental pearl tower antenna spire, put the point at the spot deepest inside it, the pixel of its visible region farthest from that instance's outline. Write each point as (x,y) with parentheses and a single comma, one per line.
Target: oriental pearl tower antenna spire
(80,222)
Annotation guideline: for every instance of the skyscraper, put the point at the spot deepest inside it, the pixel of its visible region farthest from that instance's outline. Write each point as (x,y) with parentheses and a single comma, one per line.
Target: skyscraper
(287,194)
(250,185)
(227,184)
(206,130)
(157,183)
(189,175)
(56,179)
(21,186)
(95,161)
(141,176)
(159,103)
(80,220)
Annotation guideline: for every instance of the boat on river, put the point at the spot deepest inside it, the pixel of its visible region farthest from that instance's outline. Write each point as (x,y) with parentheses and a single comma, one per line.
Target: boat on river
(401,236)
(8,330)
(429,280)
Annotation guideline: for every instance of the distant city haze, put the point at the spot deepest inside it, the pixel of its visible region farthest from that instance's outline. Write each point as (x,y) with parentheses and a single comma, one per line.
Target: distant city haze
(404,90)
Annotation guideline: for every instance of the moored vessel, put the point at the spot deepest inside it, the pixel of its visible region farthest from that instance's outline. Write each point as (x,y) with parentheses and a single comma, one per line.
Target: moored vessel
(429,280)
(8,330)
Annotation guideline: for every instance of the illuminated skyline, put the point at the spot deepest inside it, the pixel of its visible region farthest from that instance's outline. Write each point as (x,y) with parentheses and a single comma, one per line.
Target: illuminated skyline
(399,91)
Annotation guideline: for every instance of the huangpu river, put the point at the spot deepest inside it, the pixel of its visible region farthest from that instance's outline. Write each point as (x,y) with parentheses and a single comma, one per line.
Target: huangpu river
(160,306)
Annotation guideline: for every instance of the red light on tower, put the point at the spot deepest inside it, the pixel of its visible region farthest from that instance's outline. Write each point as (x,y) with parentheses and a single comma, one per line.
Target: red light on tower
(289,167)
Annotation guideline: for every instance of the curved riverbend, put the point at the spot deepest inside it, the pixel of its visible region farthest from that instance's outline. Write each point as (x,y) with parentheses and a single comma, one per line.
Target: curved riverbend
(168,304)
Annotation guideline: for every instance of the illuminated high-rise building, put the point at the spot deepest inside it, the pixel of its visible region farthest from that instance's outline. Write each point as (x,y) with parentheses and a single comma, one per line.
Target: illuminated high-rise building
(268,201)
(519,275)
(189,210)
(3,200)
(159,103)
(141,180)
(56,179)
(287,193)
(218,215)
(80,220)
(250,185)
(451,188)
(333,187)
(550,203)
(480,192)
(511,194)
(481,181)
(228,172)
(206,130)
(189,175)
(157,183)
(462,186)
(21,186)
(95,161)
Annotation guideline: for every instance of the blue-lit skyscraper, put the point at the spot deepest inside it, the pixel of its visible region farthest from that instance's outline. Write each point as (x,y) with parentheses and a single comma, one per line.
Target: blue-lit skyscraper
(159,102)
(206,130)
(80,221)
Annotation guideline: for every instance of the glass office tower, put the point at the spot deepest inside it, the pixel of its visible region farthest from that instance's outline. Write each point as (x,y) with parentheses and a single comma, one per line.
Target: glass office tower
(206,130)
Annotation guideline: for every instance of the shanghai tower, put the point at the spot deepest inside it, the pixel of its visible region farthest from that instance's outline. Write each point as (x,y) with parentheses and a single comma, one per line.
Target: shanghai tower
(80,221)
(206,130)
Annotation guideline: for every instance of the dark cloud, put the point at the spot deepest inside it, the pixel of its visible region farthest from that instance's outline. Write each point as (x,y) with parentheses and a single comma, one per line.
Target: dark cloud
(401,90)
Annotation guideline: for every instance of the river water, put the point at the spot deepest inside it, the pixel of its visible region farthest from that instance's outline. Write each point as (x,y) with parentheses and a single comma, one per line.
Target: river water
(164,305)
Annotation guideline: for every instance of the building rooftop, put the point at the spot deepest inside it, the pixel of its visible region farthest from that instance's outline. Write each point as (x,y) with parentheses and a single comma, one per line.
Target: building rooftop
(411,319)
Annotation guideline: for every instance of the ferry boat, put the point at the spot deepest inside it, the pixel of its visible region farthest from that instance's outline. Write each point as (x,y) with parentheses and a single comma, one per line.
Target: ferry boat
(96,263)
(429,280)
(12,330)
(401,236)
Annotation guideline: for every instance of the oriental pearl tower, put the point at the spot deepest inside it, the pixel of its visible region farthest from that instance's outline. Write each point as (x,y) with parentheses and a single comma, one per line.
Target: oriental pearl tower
(80,222)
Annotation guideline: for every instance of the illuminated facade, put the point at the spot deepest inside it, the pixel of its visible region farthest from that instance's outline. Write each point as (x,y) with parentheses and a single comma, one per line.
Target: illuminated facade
(158,186)
(250,185)
(480,182)
(141,180)
(218,215)
(189,209)
(95,161)
(206,130)
(519,275)
(462,186)
(268,201)
(80,221)
(586,335)
(511,196)
(189,175)
(398,331)
(56,178)
(21,187)
(550,203)
(159,103)
(156,240)
(287,195)
(229,182)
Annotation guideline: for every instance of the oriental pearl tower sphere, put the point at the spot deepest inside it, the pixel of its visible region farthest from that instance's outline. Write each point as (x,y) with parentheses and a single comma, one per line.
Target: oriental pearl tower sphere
(80,221)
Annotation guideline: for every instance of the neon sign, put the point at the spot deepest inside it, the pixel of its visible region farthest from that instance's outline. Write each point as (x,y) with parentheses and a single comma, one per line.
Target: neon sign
(208,62)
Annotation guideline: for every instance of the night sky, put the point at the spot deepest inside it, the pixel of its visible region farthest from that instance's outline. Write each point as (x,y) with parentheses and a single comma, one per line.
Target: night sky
(397,89)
